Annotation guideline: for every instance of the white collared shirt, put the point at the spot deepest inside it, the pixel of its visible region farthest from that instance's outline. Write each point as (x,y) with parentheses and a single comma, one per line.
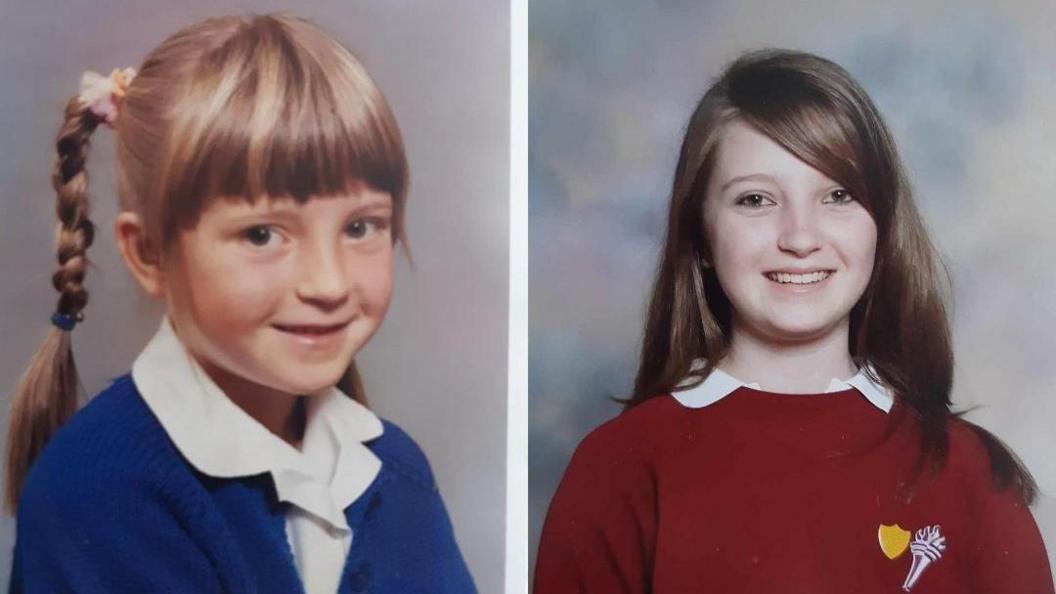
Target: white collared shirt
(330,471)
(720,384)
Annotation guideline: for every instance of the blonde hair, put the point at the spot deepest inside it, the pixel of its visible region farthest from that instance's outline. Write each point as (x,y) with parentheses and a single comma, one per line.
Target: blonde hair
(229,108)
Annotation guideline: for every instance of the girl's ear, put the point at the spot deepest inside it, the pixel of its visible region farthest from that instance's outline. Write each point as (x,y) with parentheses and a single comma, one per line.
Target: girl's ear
(141,255)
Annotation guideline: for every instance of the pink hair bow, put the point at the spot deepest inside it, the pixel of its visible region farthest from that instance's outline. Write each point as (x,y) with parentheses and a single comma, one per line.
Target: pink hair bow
(101,94)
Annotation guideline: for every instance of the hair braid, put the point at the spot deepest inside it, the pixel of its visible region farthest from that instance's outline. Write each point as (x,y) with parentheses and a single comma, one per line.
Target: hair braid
(76,231)
(48,392)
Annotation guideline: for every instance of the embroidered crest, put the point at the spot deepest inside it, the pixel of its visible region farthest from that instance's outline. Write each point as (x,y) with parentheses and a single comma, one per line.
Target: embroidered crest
(927,547)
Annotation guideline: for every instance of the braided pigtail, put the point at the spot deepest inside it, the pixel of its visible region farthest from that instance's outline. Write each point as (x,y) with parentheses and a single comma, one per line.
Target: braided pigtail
(47,395)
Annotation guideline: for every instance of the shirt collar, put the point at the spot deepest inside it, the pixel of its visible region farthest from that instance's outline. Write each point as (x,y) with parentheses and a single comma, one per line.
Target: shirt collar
(720,384)
(219,439)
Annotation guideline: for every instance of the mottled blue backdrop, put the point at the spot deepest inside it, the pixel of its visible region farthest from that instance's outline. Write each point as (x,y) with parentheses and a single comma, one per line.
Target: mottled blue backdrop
(969,94)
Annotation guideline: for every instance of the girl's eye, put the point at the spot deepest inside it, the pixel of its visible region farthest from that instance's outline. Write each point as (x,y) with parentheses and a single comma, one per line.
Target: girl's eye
(840,196)
(754,201)
(357,229)
(361,228)
(259,235)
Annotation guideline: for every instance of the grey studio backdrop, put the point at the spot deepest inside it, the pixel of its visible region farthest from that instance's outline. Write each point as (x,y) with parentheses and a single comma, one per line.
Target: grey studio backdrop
(437,367)
(967,89)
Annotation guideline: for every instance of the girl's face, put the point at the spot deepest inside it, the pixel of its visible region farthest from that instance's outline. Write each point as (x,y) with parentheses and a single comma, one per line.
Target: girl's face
(282,294)
(793,250)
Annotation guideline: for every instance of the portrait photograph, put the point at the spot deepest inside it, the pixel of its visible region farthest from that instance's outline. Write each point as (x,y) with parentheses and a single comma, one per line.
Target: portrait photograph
(312,200)
(724,199)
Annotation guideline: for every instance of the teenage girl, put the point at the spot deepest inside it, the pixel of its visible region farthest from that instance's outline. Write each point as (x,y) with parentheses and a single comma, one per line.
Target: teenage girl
(262,184)
(790,427)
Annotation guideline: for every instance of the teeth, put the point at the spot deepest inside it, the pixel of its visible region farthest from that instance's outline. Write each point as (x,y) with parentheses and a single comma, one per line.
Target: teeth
(798,279)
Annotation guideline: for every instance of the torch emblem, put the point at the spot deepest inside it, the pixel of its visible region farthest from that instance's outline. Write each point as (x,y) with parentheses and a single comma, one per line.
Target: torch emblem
(926,547)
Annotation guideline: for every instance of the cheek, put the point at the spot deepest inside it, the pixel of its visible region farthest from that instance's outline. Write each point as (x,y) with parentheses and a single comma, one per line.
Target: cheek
(222,290)
(739,247)
(373,276)
(859,241)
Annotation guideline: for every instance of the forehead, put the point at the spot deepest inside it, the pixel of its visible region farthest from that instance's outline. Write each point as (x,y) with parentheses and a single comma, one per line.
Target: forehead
(745,152)
(357,198)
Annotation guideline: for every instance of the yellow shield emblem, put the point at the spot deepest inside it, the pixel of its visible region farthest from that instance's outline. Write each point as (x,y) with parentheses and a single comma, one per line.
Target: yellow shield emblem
(893,540)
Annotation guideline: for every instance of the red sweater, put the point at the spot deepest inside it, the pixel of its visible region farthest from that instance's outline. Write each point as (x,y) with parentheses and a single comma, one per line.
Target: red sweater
(768,493)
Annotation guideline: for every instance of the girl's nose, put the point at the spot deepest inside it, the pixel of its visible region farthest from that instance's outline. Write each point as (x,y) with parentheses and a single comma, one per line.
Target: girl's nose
(799,234)
(323,280)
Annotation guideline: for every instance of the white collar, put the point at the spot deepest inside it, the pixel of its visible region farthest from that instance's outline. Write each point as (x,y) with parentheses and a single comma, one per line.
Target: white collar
(330,471)
(720,384)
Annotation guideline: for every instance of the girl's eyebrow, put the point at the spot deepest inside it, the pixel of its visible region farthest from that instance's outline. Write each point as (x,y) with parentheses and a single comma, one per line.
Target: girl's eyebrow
(749,177)
(256,216)
(374,202)
(291,207)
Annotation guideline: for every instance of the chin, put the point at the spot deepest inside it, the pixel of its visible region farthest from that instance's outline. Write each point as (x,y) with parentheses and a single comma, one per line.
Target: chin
(799,330)
(309,383)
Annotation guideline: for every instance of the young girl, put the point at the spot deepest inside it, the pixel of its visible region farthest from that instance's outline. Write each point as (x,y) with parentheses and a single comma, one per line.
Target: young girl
(790,428)
(262,183)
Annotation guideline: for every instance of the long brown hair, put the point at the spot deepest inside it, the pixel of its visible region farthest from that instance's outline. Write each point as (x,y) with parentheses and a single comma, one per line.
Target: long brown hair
(229,108)
(814,109)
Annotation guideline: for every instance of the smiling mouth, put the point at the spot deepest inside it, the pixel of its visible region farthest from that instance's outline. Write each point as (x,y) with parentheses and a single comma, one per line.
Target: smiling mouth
(310,329)
(785,278)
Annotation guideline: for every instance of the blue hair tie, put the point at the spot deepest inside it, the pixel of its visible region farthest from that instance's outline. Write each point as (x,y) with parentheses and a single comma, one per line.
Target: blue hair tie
(65,321)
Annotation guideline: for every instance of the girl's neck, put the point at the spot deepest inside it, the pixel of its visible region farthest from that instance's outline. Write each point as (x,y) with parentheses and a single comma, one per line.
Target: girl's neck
(281,413)
(794,367)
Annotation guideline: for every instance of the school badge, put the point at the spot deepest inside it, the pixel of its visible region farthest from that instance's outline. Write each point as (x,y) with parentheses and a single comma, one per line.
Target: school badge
(926,547)
(893,540)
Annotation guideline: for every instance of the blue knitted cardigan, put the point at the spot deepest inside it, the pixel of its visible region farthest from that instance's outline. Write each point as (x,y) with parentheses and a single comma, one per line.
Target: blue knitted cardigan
(111,506)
